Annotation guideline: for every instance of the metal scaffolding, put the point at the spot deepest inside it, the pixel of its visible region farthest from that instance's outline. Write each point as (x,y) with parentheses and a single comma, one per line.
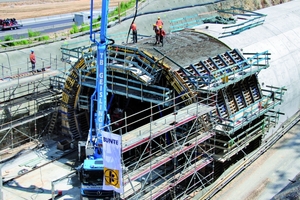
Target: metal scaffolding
(27,104)
(169,156)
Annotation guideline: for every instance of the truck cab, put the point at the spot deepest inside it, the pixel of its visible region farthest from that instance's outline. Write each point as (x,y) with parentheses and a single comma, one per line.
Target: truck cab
(91,178)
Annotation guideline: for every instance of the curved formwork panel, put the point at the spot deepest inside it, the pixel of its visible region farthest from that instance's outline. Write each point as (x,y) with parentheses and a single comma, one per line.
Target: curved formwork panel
(69,112)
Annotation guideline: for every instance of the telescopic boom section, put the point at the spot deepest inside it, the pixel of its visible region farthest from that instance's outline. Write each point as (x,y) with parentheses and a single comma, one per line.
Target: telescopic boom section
(100,116)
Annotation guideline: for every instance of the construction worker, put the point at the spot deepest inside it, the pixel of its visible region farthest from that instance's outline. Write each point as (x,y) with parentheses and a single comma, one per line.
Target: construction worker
(134,32)
(32,60)
(157,33)
(162,35)
(159,22)
(155,28)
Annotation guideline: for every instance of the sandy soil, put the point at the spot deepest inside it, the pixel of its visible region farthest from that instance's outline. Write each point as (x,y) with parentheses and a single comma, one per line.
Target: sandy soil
(22,9)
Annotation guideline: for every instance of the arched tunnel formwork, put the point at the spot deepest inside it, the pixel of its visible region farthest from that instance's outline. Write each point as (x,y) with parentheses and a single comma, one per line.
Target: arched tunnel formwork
(186,111)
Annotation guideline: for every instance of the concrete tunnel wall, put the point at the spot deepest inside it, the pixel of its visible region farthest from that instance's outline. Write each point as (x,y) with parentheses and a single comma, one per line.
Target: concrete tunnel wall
(279,35)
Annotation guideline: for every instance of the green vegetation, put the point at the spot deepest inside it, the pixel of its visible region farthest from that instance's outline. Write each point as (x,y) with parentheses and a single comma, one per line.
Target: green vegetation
(96,23)
(84,28)
(13,41)
(23,42)
(32,34)
(112,16)
(43,38)
(9,38)
(36,36)
(74,29)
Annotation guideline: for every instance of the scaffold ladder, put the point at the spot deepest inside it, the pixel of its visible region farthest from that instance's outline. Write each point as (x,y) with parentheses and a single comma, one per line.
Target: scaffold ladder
(53,122)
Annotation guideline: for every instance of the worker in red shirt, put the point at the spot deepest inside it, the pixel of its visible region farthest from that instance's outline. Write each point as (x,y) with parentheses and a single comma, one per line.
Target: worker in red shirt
(157,33)
(162,35)
(134,32)
(32,60)
(155,28)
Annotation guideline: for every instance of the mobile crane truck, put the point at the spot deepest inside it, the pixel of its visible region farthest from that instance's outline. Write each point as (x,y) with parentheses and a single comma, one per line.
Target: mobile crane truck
(91,171)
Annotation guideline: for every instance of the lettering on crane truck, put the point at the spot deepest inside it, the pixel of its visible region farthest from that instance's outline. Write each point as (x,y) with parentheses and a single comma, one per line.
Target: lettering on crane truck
(110,141)
(101,81)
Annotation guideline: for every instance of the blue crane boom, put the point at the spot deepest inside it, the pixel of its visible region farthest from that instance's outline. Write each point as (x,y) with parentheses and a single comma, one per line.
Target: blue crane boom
(100,117)
(92,170)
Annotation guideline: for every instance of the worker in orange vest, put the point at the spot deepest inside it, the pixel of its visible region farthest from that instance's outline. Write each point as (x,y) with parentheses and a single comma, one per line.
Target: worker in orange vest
(134,32)
(32,60)
(159,22)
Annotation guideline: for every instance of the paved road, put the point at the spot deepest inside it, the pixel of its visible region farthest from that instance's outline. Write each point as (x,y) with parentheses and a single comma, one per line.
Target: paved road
(48,24)
(269,174)
(43,25)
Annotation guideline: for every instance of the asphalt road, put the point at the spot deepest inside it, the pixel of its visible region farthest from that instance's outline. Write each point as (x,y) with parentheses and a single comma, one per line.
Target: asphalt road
(49,25)
(45,27)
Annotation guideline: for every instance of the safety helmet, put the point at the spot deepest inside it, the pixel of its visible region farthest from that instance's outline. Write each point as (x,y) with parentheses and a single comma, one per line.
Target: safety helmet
(158,17)
(160,27)
(154,24)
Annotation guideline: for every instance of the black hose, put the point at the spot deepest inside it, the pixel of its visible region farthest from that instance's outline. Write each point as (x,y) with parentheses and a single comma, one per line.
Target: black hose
(135,14)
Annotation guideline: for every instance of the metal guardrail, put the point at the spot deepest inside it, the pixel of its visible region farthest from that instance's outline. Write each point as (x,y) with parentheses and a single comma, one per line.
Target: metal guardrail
(7,72)
(45,18)
(185,22)
(34,40)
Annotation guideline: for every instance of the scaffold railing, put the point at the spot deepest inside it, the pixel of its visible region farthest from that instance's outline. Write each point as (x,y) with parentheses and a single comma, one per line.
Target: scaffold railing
(251,20)
(271,98)
(24,104)
(9,71)
(181,134)
(225,76)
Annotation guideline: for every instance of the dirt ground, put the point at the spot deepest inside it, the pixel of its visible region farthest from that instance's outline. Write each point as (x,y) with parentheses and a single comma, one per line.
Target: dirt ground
(23,9)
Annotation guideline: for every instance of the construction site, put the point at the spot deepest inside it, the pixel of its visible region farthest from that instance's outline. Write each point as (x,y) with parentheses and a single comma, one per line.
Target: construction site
(187,111)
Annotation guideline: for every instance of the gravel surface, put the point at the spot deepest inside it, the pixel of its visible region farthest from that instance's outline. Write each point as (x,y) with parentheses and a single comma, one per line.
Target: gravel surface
(291,191)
